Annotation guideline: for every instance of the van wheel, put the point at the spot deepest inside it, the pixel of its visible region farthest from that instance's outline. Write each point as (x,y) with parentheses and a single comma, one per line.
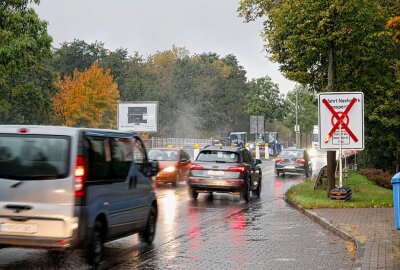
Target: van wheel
(95,248)
(147,235)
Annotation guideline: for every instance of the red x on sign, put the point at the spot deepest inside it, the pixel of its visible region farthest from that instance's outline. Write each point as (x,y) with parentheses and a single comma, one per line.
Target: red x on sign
(340,120)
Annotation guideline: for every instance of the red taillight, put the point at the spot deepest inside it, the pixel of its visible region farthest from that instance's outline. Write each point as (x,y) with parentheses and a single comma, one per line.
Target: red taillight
(237,169)
(300,160)
(195,166)
(23,130)
(80,176)
(278,160)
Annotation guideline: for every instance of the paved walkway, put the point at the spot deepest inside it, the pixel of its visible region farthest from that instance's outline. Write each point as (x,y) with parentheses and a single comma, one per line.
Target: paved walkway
(372,230)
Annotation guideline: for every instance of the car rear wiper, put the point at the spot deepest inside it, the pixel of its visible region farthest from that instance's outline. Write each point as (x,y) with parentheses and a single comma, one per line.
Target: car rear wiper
(220,161)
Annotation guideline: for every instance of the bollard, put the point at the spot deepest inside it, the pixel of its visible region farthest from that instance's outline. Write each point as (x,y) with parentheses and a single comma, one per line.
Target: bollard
(257,151)
(196,150)
(266,151)
(396,199)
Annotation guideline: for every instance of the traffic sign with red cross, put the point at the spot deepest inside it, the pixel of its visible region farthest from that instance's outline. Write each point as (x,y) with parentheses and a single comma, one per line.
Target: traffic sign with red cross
(341,117)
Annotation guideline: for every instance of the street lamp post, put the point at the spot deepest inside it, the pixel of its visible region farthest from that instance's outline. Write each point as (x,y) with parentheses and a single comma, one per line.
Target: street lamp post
(297,129)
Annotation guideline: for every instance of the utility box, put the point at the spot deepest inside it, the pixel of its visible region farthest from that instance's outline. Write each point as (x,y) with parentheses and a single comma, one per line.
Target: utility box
(396,199)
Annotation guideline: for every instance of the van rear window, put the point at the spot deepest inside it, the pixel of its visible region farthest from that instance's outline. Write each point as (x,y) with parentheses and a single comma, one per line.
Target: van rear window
(34,157)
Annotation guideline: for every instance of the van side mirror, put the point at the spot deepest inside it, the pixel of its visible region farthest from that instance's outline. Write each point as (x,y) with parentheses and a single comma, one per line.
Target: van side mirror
(154,167)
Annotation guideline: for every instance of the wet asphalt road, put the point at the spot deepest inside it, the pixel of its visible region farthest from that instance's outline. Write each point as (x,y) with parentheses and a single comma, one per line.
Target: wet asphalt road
(215,232)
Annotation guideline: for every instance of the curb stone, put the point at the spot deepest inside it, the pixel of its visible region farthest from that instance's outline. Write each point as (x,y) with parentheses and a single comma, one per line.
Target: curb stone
(359,254)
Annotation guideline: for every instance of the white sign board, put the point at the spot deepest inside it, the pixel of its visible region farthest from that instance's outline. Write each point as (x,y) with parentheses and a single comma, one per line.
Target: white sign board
(256,124)
(341,111)
(138,116)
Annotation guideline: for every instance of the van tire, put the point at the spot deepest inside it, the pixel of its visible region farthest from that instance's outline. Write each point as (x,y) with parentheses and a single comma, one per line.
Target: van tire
(95,247)
(148,234)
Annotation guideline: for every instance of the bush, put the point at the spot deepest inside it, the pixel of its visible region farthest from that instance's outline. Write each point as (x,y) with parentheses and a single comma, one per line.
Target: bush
(378,176)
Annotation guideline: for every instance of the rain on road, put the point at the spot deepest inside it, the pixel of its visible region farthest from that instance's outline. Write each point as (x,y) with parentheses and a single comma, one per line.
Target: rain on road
(214,232)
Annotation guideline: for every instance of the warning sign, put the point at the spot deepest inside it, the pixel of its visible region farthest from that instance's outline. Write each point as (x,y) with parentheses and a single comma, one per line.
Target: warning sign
(341,120)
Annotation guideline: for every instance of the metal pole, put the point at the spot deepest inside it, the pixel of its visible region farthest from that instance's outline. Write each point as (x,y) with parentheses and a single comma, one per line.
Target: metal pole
(296,113)
(297,124)
(340,156)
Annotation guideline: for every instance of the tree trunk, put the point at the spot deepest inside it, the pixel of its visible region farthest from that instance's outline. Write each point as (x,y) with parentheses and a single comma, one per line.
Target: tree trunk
(331,155)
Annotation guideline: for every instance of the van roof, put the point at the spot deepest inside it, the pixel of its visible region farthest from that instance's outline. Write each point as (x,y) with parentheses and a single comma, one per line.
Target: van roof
(56,130)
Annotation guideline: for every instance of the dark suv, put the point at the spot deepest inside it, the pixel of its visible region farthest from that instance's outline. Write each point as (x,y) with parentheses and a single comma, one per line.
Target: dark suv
(225,169)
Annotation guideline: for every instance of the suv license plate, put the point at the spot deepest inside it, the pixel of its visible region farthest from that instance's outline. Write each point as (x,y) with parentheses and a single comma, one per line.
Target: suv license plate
(18,228)
(216,173)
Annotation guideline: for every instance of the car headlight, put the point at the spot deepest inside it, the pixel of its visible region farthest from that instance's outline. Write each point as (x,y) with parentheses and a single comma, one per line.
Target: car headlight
(169,169)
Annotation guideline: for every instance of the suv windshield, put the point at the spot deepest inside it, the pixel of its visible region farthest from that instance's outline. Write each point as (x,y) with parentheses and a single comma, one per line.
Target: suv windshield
(218,156)
(25,157)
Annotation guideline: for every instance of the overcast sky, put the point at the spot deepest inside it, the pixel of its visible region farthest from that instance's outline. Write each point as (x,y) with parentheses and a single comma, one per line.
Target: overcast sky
(148,26)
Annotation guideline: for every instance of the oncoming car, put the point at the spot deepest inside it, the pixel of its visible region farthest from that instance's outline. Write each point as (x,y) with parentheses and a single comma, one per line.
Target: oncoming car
(174,165)
(293,161)
(225,169)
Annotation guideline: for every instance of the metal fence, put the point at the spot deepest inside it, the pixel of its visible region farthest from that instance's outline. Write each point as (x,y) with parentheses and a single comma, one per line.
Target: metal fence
(185,143)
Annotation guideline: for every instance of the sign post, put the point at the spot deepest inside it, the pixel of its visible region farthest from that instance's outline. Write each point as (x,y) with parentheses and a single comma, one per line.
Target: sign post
(341,124)
(256,127)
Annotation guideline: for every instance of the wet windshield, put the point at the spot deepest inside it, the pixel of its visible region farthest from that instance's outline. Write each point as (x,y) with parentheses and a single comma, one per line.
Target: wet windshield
(34,157)
(163,155)
(218,156)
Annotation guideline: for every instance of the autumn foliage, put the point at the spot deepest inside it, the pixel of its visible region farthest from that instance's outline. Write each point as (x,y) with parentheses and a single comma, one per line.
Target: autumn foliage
(87,99)
(394,24)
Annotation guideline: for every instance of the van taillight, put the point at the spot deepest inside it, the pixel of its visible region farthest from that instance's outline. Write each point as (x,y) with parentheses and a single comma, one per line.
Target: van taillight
(80,176)
(236,169)
(300,160)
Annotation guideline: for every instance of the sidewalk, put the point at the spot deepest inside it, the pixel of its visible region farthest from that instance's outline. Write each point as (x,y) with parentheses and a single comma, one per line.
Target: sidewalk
(372,231)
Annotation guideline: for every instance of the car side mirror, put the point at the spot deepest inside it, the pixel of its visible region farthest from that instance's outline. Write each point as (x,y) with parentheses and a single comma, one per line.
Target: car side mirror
(258,161)
(154,167)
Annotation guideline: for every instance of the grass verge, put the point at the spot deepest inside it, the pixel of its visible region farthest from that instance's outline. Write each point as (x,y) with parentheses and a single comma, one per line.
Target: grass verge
(364,194)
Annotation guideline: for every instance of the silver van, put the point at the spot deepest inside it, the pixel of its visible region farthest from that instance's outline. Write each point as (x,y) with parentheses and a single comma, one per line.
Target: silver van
(64,188)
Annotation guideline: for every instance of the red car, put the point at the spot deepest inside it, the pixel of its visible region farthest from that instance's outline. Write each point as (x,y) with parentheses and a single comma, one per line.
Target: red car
(173,163)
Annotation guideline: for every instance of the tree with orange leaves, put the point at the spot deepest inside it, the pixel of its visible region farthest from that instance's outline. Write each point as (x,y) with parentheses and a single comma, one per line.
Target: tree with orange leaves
(394,24)
(87,99)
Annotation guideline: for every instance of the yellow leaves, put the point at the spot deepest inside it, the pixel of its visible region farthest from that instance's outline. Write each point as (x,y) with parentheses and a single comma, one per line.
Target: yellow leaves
(87,99)
(223,68)
(394,24)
